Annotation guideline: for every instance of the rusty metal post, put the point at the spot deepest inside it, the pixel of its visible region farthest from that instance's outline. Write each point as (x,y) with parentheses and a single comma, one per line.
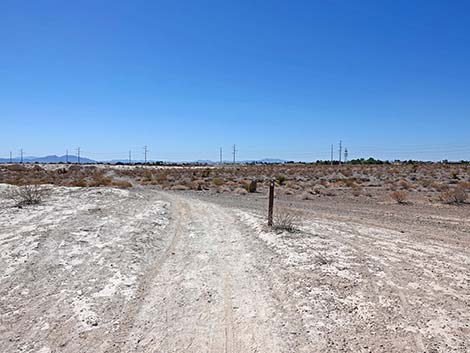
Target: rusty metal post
(271,204)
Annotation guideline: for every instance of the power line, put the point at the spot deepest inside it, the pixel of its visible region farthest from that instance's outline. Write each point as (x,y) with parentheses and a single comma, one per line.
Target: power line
(331,160)
(340,150)
(234,153)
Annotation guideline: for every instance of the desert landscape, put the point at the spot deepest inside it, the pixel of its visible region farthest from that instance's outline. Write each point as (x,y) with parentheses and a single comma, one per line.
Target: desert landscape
(124,258)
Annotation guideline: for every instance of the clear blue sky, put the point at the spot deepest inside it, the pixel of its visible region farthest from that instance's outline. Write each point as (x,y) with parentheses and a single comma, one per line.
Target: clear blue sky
(280,79)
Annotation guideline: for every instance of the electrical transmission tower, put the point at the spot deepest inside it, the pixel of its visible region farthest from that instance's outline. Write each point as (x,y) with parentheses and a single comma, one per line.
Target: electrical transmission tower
(221,156)
(11,158)
(21,154)
(346,155)
(67,156)
(234,154)
(331,161)
(78,155)
(130,157)
(145,154)
(340,150)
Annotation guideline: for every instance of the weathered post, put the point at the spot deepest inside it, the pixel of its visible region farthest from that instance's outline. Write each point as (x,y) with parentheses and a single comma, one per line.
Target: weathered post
(271,204)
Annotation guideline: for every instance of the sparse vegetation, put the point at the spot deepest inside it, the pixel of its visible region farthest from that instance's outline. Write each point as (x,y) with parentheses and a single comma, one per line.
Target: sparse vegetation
(457,195)
(27,195)
(251,186)
(399,196)
(300,181)
(281,179)
(286,220)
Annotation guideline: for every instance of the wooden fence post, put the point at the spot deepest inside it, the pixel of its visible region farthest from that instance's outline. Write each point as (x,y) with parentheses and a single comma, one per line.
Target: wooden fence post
(271,204)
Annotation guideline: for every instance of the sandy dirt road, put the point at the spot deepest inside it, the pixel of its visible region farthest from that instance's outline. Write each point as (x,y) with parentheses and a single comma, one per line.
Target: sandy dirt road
(207,295)
(105,270)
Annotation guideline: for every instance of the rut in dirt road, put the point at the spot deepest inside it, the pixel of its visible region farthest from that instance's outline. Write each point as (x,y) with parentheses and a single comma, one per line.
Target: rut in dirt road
(207,296)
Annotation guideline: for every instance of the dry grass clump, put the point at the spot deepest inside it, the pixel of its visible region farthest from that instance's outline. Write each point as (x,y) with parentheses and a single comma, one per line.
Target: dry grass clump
(28,195)
(400,197)
(122,184)
(281,179)
(100,181)
(81,183)
(218,181)
(357,191)
(286,220)
(179,188)
(456,196)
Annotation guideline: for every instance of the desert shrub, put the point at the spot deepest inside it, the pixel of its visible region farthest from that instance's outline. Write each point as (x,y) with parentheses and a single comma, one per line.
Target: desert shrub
(16,168)
(347,172)
(27,195)
(404,184)
(179,188)
(286,220)
(465,185)
(251,186)
(206,172)
(348,182)
(281,179)
(123,184)
(399,196)
(457,195)
(101,181)
(78,183)
(357,191)
(241,191)
(161,178)
(307,196)
(218,181)
(318,190)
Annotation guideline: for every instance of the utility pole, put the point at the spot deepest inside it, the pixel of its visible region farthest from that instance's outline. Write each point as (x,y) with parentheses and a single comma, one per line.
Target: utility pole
(130,157)
(11,158)
(67,156)
(345,155)
(234,154)
(21,153)
(145,154)
(331,154)
(221,160)
(78,155)
(340,150)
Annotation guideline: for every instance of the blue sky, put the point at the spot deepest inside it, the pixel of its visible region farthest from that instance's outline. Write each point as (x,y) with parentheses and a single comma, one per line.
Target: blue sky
(282,79)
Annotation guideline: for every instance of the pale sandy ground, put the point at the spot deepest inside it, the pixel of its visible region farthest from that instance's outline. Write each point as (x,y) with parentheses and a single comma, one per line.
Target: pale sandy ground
(106,270)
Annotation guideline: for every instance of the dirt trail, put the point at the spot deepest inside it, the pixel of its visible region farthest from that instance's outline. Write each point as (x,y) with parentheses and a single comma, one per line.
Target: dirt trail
(105,270)
(206,296)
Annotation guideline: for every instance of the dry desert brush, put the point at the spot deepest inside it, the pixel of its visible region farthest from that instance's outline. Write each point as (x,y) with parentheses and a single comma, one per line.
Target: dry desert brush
(286,220)
(456,196)
(400,197)
(28,195)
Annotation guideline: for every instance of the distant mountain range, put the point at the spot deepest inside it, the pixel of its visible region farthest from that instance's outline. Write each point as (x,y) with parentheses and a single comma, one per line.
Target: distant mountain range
(74,159)
(49,159)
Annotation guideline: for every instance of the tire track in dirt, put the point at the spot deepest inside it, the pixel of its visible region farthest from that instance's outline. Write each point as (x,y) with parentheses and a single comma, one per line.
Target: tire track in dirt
(205,296)
(120,337)
(228,315)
